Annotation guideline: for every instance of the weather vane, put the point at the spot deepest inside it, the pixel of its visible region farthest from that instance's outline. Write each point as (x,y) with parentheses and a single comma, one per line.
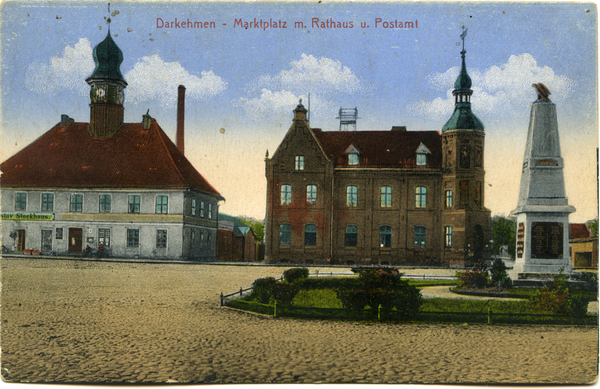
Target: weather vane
(108,20)
(462,36)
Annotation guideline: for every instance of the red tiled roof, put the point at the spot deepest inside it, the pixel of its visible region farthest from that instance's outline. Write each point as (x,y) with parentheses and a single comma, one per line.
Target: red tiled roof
(132,157)
(382,148)
(578,231)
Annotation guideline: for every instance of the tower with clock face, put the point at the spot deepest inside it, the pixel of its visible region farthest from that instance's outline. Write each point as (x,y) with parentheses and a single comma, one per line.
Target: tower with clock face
(107,89)
(465,220)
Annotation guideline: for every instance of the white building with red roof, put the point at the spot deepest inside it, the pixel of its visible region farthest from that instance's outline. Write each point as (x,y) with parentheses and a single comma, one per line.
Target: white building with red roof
(124,189)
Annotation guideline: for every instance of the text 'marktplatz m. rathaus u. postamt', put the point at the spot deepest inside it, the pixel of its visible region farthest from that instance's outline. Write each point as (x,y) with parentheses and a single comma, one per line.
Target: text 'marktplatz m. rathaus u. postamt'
(380,197)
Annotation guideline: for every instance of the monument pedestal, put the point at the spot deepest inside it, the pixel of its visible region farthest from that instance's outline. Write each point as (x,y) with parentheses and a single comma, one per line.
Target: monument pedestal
(543,210)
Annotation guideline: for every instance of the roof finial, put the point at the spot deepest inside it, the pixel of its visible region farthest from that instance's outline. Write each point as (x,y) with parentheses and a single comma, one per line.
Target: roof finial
(462,36)
(108,20)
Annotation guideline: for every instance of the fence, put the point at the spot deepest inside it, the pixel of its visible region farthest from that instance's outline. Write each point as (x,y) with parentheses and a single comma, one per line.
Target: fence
(386,315)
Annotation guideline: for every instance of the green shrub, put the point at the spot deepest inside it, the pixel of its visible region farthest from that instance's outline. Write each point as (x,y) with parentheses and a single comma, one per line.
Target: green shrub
(382,287)
(361,269)
(292,275)
(557,298)
(498,274)
(591,280)
(476,278)
(283,292)
(261,289)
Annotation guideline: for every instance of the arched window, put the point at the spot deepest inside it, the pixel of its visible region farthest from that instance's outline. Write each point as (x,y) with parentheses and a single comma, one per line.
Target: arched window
(386,196)
(351,236)
(311,194)
(421,197)
(310,235)
(420,236)
(352,196)
(285,234)
(286,194)
(385,236)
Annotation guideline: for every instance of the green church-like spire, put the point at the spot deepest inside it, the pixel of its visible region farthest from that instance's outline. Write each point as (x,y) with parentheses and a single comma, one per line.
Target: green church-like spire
(463,118)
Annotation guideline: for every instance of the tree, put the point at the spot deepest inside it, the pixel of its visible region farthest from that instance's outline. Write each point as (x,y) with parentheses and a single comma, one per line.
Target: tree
(594,228)
(257,226)
(503,233)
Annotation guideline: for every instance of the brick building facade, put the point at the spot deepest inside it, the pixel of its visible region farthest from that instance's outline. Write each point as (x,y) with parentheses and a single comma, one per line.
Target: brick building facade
(380,197)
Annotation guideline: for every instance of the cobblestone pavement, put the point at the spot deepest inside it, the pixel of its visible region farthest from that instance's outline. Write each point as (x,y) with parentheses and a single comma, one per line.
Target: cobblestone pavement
(75,322)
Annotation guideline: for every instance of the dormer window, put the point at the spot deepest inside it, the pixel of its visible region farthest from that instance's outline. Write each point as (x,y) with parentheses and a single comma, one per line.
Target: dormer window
(422,152)
(353,155)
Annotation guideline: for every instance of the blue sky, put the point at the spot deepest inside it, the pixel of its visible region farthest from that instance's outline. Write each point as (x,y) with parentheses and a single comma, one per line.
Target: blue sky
(247,81)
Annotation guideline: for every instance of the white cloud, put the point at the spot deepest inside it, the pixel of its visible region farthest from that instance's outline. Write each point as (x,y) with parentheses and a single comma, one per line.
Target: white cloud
(281,103)
(152,78)
(280,93)
(66,72)
(498,89)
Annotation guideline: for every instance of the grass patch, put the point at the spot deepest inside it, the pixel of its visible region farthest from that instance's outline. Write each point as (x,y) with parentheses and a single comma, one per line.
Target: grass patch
(423,283)
(317,298)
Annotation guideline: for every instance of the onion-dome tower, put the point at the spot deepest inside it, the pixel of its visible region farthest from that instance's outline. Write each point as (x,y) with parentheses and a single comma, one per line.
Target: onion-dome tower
(465,219)
(107,85)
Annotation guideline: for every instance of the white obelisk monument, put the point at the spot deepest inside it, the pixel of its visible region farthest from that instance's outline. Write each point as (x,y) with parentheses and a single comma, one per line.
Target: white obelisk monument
(543,210)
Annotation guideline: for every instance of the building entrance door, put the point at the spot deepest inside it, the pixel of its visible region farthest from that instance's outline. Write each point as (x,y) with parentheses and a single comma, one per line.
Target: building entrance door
(75,240)
(20,240)
(46,241)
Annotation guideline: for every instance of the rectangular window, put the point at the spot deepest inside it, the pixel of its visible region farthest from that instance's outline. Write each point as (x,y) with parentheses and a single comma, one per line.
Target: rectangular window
(59,233)
(285,235)
(104,236)
(299,162)
(133,237)
(448,236)
(193,207)
(449,195)
(353,159)
(386,196)
(162,204)
(20,201)
(352,196)
(311,194)
(134,204)
(420,236)
(47,202)
(286,194)
(351,236)
(421,197)
(210,211)
(193,234)
(201,208)
(202,243)
(421,159)
(105,201)
(385,236)
(310,235)
(161,239)
(76,202)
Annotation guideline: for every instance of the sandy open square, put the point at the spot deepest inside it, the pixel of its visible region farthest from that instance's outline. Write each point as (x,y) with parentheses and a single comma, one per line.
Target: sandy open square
(70,321)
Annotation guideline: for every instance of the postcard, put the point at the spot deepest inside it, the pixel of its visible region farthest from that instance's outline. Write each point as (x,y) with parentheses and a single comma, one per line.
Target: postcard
(184,183)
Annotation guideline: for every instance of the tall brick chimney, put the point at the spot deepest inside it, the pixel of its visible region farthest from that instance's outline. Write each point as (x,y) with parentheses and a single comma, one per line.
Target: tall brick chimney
(180,117)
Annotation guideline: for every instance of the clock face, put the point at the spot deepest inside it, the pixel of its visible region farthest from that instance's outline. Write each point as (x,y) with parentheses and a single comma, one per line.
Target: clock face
(101,93)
